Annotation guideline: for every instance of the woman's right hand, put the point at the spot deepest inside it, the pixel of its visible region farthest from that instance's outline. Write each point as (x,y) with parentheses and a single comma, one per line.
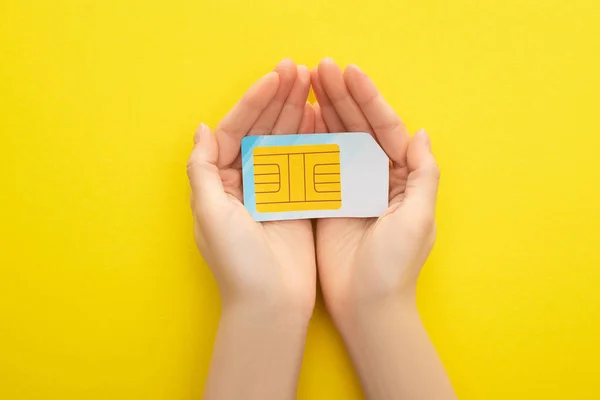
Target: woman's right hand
(268,265)
(265,272)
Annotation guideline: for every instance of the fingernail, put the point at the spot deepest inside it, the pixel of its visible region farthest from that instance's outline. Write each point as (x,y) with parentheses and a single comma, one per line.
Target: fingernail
(356,67)
(303,71)
(269,74)
(199,132)
(423,133)
(285,61)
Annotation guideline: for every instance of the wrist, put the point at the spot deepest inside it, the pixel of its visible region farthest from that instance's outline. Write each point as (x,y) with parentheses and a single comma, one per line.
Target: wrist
(259,347)
(358,316)
(266,315)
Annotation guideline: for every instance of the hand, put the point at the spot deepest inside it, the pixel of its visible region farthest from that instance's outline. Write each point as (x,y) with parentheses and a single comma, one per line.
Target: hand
(364,262)
(369,267)
(271,264)
(367,262)
(265,272)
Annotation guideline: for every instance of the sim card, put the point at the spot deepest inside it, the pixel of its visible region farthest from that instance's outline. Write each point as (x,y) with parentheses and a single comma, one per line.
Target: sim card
(314,176)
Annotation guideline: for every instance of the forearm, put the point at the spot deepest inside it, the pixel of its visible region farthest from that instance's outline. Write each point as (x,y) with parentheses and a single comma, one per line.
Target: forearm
(393,354)
(257,355)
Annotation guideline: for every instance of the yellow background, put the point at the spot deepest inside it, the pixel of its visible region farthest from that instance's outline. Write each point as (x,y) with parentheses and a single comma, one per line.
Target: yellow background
(102,292)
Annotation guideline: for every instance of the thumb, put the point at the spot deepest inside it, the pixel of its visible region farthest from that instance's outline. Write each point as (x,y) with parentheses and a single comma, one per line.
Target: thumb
(207,188)
(424,173)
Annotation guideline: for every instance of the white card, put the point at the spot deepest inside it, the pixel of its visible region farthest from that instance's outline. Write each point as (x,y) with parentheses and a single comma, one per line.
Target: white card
(314,176)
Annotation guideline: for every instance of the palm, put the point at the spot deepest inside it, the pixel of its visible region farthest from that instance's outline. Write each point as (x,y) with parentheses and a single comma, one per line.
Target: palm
(343,241)
(287,245)
(284,250)
(348,249)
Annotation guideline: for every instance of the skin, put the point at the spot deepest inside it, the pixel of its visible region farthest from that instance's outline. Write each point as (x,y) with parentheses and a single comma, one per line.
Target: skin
(368,268)
(265,272)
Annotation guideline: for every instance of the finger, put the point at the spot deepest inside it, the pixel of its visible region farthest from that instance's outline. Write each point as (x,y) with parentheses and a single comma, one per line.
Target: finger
(236,124)
(424,173)
(387,125)
(327,111)
(320,125)
(307,125)
(203,174)
(287,77)
(332,80)
(291,113)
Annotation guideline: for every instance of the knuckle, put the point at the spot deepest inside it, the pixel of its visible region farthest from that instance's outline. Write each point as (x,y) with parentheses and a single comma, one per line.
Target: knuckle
(358,126)
(339,97)
(430,171)
(224,130)
(368,100)
(435,171)
(422,224)
(389,126)
(427,222)
(190,168)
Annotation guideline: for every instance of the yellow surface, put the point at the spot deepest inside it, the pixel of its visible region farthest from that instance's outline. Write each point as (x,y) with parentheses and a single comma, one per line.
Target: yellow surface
(295,178)
(102,292)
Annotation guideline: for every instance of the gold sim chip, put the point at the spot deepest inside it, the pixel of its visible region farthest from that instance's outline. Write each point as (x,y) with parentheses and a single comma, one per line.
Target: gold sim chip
(297,178)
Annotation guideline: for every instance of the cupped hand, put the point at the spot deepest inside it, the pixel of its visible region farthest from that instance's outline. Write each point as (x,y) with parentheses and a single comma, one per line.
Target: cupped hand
(365,263)
(269,265)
